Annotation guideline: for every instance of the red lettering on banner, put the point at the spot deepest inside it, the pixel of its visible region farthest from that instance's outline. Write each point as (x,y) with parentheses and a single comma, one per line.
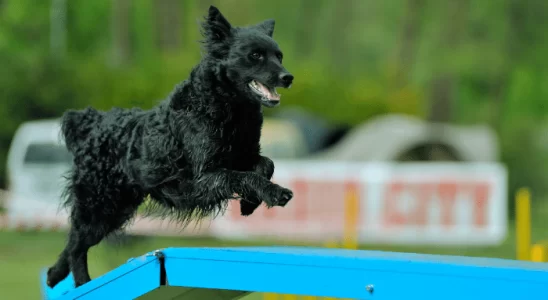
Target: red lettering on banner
(423,192)
(447,194)
(267,214)
(300,188)
(313,201)
(481,201)
(392,215)
(408,203)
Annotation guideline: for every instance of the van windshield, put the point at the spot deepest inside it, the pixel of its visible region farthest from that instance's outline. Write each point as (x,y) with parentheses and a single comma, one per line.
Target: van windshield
(47,153)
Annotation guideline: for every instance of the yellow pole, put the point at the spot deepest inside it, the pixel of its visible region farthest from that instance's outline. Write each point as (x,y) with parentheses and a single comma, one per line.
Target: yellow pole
(539,253)
(270,296)
(523,224)
(352,206)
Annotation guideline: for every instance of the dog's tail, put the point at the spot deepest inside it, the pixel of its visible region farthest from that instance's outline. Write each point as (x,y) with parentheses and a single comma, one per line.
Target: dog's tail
(76,126)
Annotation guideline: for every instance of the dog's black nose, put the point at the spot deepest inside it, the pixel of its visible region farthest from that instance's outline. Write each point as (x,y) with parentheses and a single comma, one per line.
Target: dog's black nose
(286,78)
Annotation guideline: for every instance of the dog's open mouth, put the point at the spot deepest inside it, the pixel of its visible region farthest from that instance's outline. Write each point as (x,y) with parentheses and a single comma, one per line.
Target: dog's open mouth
(264,91)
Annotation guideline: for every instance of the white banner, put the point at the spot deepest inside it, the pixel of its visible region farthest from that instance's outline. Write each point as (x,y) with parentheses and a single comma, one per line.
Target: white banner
(412,203)
(427,203)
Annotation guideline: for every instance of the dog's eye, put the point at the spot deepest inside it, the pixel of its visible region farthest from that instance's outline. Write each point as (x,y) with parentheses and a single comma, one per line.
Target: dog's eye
(256,55)
(280,57)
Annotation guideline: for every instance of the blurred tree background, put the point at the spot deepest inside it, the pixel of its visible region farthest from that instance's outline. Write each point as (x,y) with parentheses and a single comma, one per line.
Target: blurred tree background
(461,61)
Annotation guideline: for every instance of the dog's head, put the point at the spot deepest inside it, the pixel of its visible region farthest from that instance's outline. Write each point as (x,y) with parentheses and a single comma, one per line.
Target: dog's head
(248,59)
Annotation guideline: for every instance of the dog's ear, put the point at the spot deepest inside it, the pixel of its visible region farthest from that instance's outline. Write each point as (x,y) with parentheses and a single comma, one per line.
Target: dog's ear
(216,27)
(267,27)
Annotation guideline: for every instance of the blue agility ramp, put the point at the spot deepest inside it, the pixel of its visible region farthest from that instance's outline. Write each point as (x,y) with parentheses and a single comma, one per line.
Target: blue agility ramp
(232,273)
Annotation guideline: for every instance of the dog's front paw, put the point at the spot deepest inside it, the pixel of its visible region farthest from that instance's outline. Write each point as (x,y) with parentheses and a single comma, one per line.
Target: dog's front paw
(277,196)
(285,196)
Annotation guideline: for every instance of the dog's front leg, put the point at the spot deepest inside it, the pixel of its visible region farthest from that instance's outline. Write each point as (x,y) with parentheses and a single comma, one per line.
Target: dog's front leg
(220,185)
(265,168)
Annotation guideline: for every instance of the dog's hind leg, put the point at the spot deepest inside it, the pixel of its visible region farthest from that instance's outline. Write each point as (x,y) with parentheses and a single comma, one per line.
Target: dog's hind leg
(90,231)
(85,237)
(74,256)
(61,269)
(93,217)
(82,236)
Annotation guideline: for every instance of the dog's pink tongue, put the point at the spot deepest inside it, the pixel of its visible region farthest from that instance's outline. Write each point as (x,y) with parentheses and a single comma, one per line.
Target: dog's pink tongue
(267,92)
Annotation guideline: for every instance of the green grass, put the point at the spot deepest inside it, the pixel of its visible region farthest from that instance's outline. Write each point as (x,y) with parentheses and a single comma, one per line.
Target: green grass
(23,255)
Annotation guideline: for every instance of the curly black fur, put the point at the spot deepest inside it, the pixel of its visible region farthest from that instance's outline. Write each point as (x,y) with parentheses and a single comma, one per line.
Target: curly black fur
(191,153)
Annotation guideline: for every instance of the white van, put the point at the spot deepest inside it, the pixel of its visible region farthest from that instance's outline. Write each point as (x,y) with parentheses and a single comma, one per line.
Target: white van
(37,162)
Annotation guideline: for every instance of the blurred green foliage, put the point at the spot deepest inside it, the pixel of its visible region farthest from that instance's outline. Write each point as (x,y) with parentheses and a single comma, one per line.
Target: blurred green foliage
(353,59)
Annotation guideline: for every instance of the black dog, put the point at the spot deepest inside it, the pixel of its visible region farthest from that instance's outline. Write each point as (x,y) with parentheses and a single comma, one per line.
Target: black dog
(191,153)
